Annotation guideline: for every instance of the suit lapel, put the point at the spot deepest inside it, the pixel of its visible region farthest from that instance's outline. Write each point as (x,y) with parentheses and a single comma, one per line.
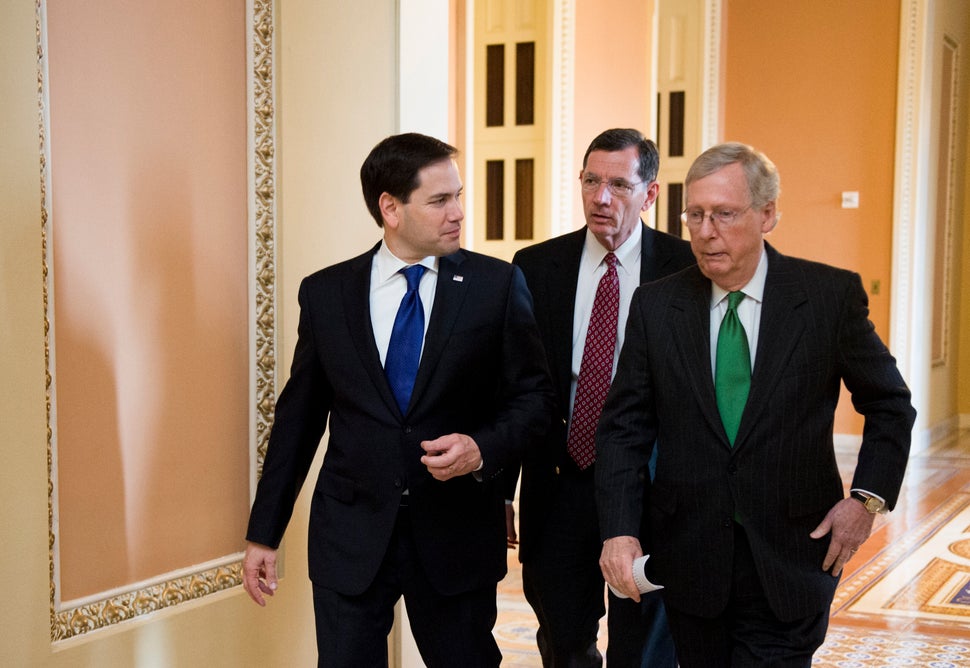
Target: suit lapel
(561,287)
(356,298)
(448,297)
(780,331)
(691,314)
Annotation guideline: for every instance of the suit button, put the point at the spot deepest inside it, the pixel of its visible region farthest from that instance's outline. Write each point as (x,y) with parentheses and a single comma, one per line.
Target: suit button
(732,468)
(727,523)
(398,483)
(557,470)
(408,429)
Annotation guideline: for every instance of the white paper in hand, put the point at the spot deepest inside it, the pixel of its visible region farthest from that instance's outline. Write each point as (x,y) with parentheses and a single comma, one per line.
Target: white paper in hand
(640,578)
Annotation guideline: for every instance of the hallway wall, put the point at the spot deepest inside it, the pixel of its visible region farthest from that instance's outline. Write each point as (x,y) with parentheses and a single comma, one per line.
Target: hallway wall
(813,86)
(324,133)
(329,115)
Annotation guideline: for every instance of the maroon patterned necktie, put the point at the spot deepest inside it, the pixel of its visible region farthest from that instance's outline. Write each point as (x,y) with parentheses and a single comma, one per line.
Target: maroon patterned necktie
(596,368)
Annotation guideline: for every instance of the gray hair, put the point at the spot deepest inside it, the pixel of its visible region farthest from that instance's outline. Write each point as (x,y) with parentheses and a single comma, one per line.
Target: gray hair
(764,184)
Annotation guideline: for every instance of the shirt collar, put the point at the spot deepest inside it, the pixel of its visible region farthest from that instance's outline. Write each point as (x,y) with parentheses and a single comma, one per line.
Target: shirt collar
(389,264)
(755,288)
(626,254)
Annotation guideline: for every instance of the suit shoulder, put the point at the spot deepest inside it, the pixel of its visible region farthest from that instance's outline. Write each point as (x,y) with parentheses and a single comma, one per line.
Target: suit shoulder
(339,269)
(479,261)
(545,251)
(673,284)
(665,238)
(814,271)
(669,244)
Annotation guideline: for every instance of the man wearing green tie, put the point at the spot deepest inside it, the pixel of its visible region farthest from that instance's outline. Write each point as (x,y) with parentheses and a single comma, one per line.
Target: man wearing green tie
(734,368)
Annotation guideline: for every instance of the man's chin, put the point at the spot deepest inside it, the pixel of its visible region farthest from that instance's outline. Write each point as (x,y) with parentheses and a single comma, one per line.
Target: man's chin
(449,246)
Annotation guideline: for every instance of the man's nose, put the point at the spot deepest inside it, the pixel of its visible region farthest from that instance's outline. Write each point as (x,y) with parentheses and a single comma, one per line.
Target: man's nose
(602,193)
(456,211)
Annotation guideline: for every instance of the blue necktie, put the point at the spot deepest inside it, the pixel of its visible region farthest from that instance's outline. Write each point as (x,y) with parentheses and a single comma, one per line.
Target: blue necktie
(404,350)
(732,376)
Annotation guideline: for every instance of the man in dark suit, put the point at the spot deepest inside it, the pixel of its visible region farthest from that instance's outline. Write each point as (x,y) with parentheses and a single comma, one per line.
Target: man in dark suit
(733,368)
(560,542)
(409,500)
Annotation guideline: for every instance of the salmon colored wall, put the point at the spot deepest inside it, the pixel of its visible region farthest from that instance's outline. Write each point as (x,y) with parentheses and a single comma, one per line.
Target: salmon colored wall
(150,242)
(613,85)
(813,86)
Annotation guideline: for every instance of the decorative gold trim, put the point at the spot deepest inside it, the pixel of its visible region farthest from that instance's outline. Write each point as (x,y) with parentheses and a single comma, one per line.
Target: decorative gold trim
(189,585)
(264,199)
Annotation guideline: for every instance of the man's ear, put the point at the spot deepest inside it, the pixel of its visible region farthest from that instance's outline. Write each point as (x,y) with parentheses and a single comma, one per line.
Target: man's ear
(652,191)
(771,217)
(389,206)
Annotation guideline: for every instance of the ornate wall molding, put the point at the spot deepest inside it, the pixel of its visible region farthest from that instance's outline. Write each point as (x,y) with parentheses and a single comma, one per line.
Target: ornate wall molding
(263,220)
(171,589)
(563,111)
(712,102)
(907,337)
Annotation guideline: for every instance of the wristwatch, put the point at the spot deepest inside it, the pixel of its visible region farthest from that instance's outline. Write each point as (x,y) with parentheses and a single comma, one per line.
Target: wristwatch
(872,503)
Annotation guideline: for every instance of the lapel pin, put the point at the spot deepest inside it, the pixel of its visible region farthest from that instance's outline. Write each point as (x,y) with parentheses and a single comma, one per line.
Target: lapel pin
(458,278)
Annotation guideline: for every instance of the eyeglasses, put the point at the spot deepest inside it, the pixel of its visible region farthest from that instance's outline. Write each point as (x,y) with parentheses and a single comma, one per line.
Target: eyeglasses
(619,187)
(696,217)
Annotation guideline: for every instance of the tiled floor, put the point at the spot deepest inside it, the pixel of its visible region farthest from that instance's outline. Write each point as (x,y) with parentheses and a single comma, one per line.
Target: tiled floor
(904,599)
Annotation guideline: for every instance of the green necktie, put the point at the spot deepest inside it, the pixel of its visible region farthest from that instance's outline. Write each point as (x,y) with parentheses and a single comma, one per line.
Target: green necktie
(732,368)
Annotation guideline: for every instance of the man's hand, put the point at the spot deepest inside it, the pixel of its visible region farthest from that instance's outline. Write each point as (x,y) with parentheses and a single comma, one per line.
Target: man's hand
(451,456)
(616,562)
(259,572)
(850,525)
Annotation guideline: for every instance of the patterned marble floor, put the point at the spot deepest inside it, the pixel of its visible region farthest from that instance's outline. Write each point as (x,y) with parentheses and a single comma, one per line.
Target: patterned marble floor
(905,596)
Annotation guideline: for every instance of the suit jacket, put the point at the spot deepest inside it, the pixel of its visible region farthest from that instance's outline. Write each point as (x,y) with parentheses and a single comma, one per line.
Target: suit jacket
(481,373)
(781,476)
(551,270)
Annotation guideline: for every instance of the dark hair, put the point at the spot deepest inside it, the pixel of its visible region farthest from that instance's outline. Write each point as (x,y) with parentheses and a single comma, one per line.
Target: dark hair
(393,165)
(618,139)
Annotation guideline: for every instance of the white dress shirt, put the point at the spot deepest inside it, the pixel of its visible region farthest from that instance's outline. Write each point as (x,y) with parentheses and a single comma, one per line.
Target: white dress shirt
(591,270)
(749,310)
(387,288)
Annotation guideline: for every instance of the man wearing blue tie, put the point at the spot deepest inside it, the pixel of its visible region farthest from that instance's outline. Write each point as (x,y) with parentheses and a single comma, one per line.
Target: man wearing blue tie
(425,363)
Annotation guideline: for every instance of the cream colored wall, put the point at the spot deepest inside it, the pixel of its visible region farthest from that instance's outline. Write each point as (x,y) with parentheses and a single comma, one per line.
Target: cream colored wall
(949,394)
(613,86)
(23,477)
(331,111)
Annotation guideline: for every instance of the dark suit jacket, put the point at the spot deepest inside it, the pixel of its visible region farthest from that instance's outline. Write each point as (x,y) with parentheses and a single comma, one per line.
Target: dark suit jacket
(551,270)
(781,476)
(481,373)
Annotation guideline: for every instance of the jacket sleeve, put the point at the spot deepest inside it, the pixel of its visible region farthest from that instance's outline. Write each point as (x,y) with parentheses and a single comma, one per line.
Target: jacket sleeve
(299,422)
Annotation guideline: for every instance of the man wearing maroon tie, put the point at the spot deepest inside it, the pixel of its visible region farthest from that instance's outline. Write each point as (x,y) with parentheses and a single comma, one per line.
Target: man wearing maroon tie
(582,283)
